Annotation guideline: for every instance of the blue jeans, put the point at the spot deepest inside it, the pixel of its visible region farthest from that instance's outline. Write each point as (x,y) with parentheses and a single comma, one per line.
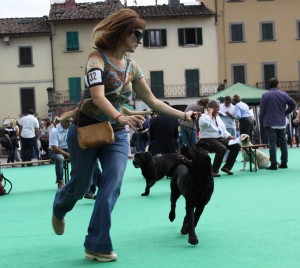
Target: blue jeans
(275,135)
(188,135)
(59,164)
(113,158)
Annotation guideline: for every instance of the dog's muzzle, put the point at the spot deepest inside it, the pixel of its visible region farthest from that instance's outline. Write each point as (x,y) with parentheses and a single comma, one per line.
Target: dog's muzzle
(136,164)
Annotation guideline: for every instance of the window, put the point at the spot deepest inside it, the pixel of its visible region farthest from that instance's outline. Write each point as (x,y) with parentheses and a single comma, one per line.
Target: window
(238,73)
(269,71)
(75,89)
(27,99)
(192,83)
(298,29)
(157,83)
(190,36)
(267,31)
(237,32)
(72,41)
(25,56)
(155,38)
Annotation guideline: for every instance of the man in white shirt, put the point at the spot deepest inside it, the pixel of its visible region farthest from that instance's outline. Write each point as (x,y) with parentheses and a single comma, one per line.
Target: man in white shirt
(29,129)
(58,149)
(227,114)
(213,131)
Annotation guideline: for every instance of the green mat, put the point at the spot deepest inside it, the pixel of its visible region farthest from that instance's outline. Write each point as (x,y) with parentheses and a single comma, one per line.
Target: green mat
(253,220)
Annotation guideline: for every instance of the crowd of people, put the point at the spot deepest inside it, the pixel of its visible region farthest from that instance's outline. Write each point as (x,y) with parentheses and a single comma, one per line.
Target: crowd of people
(28,138)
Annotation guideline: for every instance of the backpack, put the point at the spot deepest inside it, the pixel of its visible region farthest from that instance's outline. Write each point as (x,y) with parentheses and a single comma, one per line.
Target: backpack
(3,182)
(6,143)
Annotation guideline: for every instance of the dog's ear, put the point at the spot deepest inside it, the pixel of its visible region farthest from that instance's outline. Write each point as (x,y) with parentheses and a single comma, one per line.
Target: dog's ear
(148,156)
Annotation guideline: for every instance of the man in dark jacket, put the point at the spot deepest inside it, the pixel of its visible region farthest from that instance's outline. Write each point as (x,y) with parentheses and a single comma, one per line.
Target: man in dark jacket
(275,105)
(163,134)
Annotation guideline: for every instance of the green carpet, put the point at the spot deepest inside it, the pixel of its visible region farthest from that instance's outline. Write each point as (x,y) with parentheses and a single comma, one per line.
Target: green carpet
(253,220)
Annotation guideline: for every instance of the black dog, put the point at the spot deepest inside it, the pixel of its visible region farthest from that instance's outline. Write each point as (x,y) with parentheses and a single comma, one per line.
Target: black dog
(155,168)
(193,179)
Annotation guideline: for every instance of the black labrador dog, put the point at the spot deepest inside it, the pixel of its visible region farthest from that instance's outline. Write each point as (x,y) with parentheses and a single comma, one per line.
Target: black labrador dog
(193,179)
(155,168)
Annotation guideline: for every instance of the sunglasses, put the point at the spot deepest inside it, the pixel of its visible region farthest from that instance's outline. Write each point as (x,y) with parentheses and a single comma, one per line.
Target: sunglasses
(138,35)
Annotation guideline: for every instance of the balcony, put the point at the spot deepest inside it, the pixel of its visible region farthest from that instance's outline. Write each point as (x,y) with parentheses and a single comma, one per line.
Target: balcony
(64,98)
(290,87)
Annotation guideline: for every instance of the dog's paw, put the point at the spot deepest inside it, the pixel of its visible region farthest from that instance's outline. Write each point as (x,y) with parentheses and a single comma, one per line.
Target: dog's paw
(193,240)
(242,169)
(145,194)
(184,230)
(172,216)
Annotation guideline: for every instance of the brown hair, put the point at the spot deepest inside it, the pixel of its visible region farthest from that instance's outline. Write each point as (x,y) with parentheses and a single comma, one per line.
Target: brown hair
(203,102)
(116,27)
(237,98)
(273,82)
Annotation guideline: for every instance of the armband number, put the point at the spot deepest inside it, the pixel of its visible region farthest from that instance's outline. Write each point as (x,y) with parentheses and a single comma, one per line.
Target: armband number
(93,78)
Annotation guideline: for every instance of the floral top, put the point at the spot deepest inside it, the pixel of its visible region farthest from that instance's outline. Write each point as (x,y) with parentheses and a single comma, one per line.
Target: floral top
(117,83)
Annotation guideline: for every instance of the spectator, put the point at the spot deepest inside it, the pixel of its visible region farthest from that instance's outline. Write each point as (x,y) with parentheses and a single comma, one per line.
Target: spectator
(244,115)
(45,129)
(163,133)
(213,132)
(29,128)
(227,114)
(58,149)
(295,126)
(142,135)
(275,105)
(11,132)
(188,130)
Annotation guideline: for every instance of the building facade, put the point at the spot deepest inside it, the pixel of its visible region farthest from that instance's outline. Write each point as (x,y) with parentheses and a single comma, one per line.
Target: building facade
(26,66)
(257,40)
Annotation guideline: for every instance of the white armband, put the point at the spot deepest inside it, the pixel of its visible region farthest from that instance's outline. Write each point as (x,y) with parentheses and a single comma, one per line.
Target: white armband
(93,78)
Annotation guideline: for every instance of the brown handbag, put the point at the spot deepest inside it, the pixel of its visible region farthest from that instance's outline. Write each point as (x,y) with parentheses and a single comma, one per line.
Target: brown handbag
(95,135)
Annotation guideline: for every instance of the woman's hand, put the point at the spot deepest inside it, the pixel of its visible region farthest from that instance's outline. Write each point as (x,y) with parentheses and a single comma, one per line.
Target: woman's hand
(191,115)
(132,120)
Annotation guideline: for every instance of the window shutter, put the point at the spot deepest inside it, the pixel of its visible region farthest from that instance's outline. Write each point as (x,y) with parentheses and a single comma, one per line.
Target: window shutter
(192,83)
(199,37)
(74,88)
(157,83)
(181,36)
(69,40)
(163,37)
(75,40)
(146,38)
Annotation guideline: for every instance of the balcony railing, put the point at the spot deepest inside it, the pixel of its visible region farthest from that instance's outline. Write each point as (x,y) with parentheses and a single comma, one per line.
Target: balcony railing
(291,87)
(174,91)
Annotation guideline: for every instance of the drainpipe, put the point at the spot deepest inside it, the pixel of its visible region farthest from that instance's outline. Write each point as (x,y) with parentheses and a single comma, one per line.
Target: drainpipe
(52,60)
(216,11)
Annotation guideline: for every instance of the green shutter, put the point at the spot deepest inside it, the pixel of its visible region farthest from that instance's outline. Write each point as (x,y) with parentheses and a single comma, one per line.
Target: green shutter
(146,38)
(72,41)
(157,83)
(192,83)
(75,41)
(163,37)
(74,89)
(181,36)
(69,40)
(199,37)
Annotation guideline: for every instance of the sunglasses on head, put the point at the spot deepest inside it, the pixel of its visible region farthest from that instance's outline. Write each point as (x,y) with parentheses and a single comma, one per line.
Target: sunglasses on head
(138,35)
